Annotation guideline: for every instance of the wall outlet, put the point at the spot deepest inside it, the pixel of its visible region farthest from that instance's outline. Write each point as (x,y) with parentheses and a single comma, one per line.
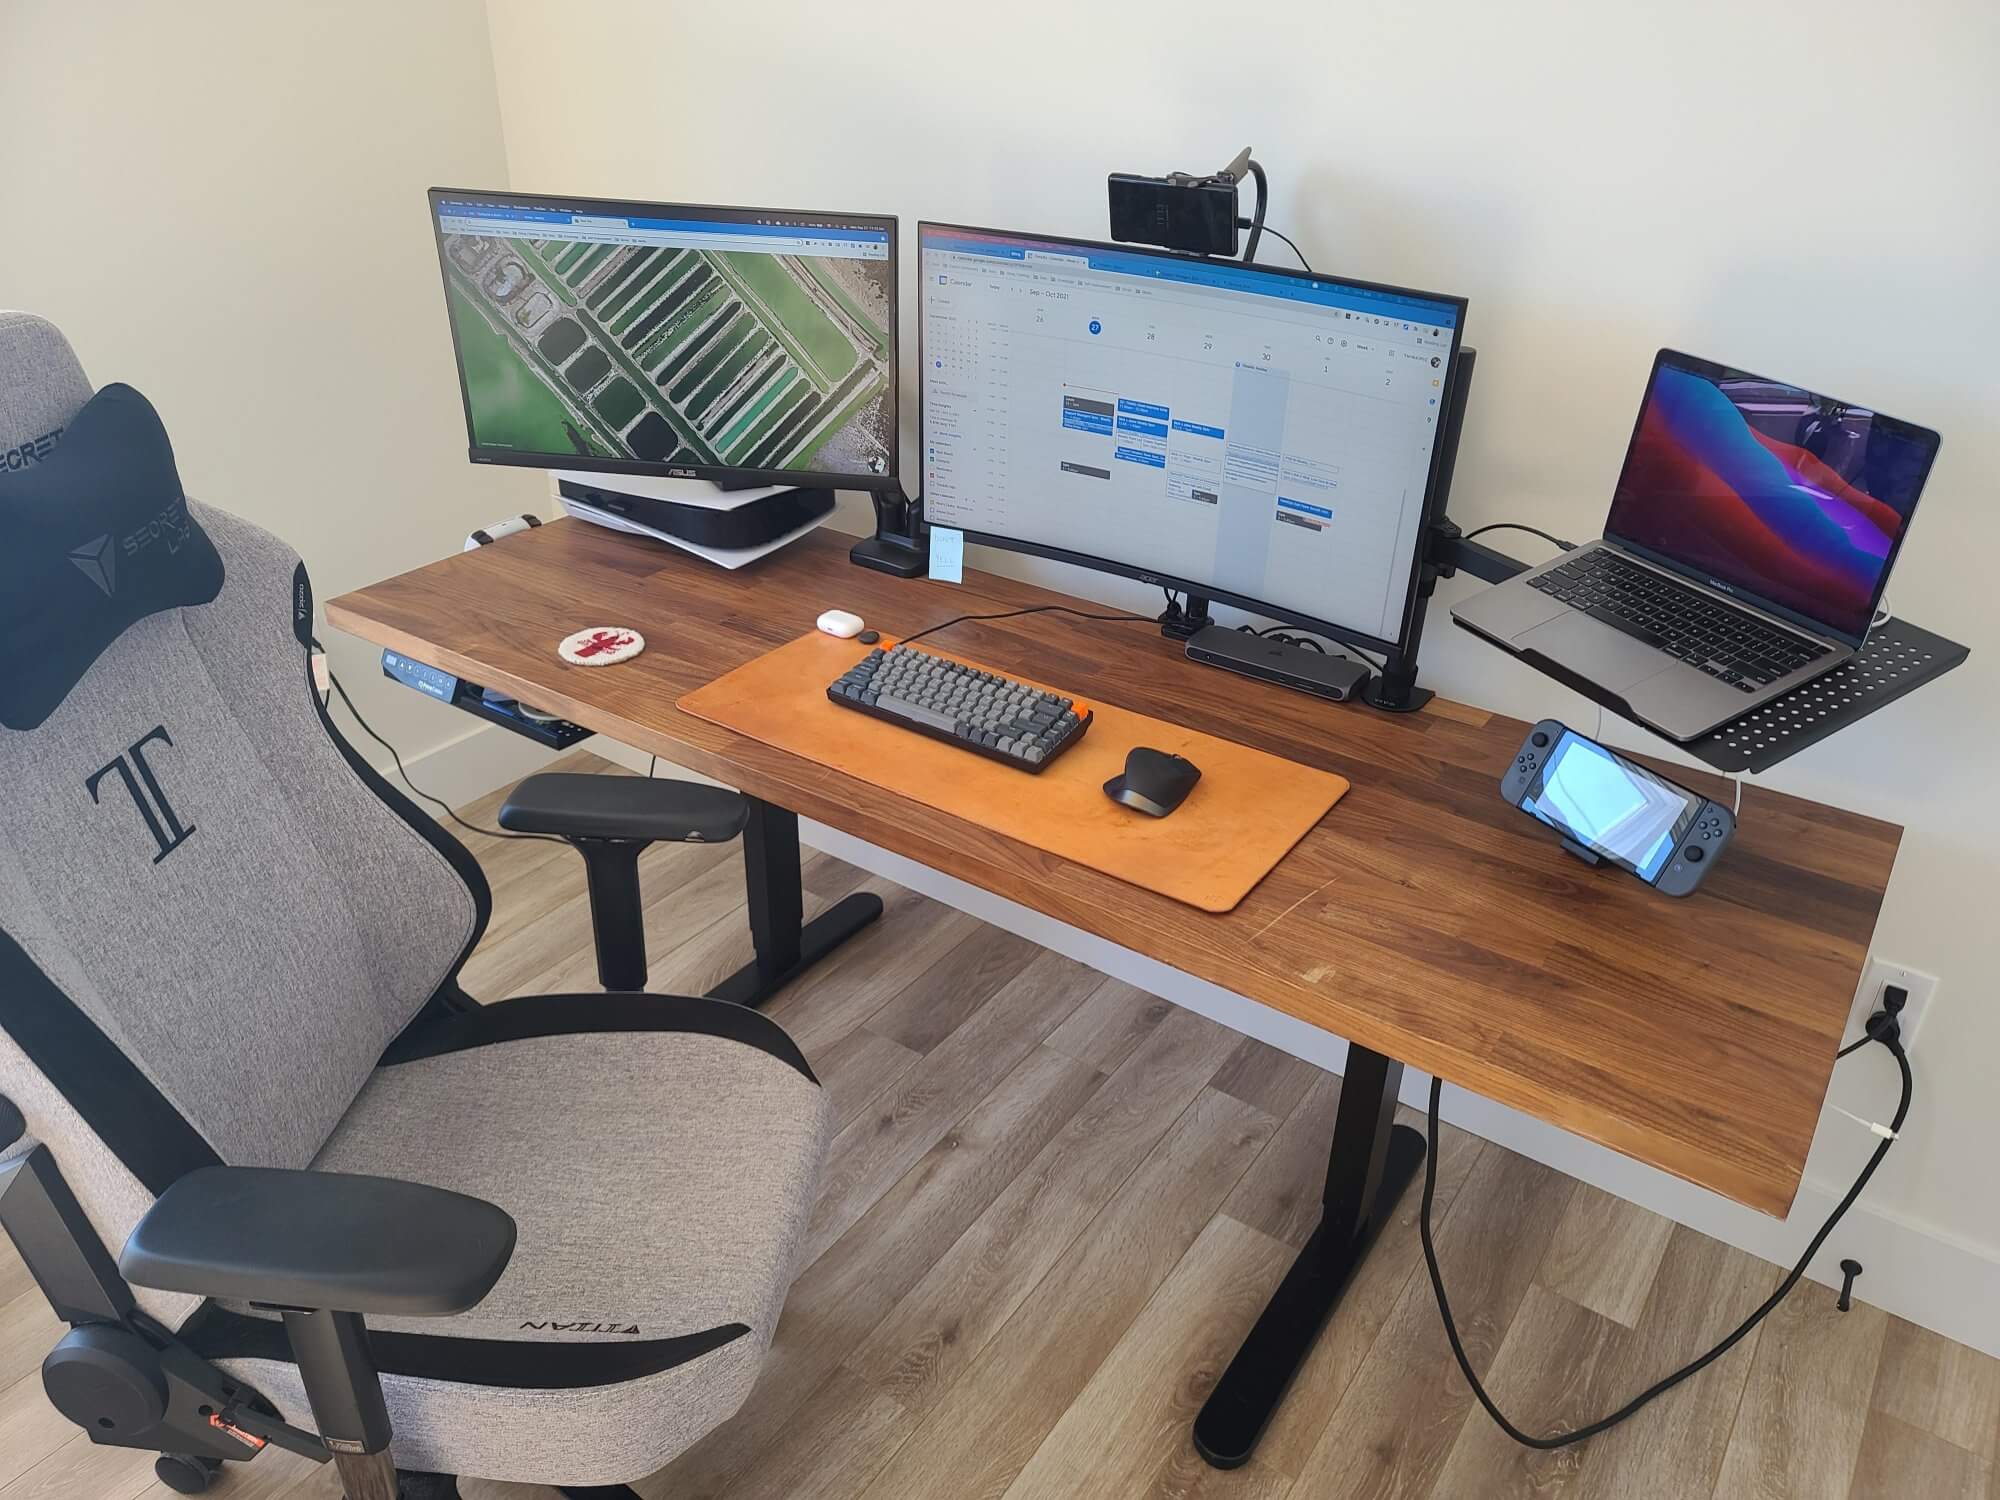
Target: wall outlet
(1868,999)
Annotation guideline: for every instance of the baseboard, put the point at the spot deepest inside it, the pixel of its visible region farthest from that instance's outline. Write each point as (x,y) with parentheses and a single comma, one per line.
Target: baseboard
(477,760)
(484,757)
(640,762)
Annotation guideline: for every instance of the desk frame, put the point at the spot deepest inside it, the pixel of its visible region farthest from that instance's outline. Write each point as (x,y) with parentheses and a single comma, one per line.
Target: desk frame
(785,944)
(1371,1162)
(1417,921)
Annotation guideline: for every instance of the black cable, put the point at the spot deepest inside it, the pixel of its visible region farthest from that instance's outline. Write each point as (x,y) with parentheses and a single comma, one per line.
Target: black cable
(1661,1387)
(1292,635)
(1033,609)
(1257,214)
(1295,249)
(1517,526)
(1285,634)
(438,802)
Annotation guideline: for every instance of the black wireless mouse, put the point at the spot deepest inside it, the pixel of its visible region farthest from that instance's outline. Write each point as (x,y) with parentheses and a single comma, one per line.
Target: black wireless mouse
(1154,783)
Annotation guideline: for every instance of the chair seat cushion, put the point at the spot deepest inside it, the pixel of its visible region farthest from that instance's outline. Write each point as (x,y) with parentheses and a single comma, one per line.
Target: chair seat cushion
(659,1155)
(574,805)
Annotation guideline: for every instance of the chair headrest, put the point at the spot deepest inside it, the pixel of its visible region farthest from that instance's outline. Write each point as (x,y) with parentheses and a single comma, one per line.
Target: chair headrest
(42,387)
(95,536)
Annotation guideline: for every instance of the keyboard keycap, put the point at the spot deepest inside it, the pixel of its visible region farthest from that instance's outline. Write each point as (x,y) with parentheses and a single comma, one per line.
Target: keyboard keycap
(919,714)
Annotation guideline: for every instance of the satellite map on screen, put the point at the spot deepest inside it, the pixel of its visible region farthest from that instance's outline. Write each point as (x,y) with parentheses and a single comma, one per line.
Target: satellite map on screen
(669,354)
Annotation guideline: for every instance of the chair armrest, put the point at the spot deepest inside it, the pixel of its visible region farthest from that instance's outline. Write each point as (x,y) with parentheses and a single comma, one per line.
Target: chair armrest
(573,805)
(323,1241)
(13,1124)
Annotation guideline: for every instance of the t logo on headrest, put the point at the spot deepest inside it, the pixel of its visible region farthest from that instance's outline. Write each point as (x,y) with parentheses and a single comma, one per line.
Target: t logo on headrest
(158,812)
(98,561)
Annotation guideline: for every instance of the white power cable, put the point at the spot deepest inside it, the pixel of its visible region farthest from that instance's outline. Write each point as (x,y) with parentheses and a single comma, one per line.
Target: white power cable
(1874,1129)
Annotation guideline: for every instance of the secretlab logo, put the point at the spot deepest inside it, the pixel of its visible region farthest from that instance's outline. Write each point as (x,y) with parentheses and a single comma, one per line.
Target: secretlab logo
(625,1328)
(170,524)
(32,451)
(161,820)
(98,562)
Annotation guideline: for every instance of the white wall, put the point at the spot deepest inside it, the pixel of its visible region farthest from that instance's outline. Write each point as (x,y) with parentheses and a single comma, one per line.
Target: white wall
(221,203)
(1803,190)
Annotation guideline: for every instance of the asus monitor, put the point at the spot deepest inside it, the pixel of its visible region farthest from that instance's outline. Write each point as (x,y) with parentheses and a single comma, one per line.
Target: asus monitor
(744,346)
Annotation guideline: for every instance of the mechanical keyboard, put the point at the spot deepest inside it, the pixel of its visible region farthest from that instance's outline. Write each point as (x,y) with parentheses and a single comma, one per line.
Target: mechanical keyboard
(1702,631)
(991,715)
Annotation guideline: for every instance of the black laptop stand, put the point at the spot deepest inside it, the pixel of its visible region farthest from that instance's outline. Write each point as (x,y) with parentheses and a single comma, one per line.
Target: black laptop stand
(1898,658)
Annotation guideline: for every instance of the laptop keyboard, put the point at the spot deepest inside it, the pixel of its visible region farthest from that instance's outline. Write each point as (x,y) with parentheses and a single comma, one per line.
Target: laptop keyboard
(1726,643)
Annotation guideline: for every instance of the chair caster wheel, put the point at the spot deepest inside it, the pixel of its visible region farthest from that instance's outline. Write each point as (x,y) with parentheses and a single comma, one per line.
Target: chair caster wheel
(186,1473)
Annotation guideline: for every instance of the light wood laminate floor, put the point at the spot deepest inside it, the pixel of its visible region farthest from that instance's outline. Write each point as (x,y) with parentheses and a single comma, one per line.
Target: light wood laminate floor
(1054,1205)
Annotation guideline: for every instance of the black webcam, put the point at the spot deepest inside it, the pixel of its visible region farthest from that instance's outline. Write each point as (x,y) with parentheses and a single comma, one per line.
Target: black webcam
(1195,215)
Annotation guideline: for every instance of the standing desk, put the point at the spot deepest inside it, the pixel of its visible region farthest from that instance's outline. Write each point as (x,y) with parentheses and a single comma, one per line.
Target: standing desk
(1423,920)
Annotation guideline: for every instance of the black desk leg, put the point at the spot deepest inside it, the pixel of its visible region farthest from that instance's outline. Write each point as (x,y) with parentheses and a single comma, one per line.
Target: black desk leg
(785,945)
(1372,1161)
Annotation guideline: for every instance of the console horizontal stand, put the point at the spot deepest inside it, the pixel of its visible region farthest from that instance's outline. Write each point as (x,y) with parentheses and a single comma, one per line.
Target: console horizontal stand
(1372,1161)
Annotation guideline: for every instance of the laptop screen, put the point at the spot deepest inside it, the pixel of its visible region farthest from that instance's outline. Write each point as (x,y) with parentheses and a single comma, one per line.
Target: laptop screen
(1785,498)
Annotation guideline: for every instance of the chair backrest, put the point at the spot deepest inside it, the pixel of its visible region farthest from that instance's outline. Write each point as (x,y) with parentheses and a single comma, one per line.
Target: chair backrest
(213,914)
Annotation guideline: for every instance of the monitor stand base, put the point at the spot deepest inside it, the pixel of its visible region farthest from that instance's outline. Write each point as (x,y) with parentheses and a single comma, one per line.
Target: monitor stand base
(899,546)
(1396,692)
(1179,622)
(900,556)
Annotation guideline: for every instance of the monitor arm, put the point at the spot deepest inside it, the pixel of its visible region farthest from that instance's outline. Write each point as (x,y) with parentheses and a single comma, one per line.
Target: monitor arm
(1446,551)
(1450,552)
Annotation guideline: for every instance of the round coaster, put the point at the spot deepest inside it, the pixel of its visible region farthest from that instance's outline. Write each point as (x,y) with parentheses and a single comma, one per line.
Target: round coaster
(601,646)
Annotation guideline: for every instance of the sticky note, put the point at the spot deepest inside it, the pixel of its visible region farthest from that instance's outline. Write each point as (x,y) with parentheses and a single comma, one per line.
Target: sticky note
(947,555)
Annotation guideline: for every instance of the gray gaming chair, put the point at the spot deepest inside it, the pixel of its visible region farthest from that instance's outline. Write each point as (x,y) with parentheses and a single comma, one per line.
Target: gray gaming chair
(286,1183)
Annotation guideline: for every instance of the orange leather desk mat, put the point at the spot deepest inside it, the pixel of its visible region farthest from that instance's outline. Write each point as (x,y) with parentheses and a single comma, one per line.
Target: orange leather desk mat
(1245,813)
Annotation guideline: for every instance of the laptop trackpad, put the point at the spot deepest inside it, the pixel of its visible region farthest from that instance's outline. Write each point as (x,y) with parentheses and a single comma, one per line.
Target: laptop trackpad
(1608,657)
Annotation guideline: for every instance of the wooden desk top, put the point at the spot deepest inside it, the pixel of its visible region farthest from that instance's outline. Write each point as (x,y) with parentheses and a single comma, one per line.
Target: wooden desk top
(1423,918)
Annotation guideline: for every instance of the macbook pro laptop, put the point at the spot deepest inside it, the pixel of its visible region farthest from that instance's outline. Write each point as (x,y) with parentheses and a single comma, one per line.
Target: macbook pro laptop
(1750,538)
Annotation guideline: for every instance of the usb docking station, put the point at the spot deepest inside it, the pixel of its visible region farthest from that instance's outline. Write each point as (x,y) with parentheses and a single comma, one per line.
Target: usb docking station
(1320,673)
